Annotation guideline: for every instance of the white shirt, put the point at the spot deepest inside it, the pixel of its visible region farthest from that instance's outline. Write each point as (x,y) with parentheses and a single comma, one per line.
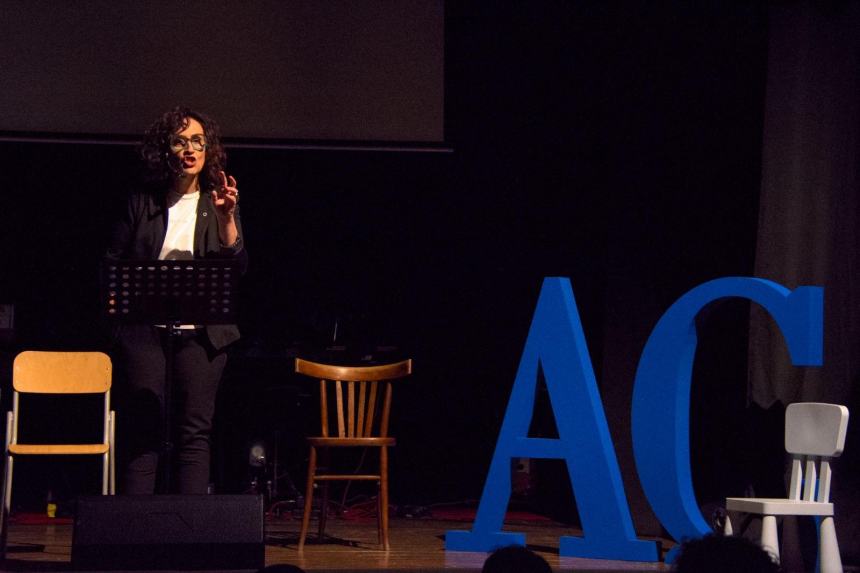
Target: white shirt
(181,220)
(179,238)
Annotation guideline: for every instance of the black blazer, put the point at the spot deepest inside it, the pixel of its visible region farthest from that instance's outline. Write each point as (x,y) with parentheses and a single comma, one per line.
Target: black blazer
(139,234)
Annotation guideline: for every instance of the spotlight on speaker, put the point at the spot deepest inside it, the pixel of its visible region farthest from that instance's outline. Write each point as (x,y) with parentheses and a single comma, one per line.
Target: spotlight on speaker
(261,482)
(257,455)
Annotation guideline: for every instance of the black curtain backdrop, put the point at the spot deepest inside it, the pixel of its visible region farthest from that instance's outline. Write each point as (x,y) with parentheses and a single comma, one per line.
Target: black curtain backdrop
(619,145)
(807,230)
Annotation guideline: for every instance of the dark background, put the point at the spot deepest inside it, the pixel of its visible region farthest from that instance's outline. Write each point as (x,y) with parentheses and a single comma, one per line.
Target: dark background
(357,71)
(618,144)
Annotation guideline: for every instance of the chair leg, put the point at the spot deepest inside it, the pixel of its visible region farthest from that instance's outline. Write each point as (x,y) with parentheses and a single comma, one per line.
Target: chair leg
(325,464)
(105,473)
(309,498)
(829,560)
(7,506)
(323,511)
(112,453)
(769,537)
(379,539)
(383,496)
(112,490)
(727,526)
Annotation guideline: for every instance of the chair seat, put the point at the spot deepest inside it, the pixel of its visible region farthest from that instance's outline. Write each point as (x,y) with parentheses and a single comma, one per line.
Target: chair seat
(777,506)
(350,442)
(58,449)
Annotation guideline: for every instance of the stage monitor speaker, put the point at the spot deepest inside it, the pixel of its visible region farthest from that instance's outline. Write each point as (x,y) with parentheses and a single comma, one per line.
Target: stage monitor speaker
(168,532)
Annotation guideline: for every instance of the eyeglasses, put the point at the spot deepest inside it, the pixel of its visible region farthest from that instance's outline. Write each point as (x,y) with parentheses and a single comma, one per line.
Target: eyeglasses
(179,143)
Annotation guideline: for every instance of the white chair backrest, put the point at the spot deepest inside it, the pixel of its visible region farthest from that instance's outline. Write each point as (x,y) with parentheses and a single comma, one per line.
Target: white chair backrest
(815,429)
(814,433)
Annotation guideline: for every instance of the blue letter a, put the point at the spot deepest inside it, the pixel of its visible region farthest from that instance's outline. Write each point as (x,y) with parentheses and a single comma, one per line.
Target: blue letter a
(556,342)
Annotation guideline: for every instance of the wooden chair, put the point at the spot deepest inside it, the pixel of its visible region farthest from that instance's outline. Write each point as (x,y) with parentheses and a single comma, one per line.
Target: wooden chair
(58,373)
(358,422)
(814,433)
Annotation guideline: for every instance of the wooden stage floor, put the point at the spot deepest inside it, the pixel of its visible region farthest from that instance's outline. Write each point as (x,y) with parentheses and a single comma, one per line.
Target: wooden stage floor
(417,546)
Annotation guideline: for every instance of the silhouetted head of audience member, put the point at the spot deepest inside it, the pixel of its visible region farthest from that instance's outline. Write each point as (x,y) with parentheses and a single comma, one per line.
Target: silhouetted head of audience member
(515,559)
(283,568)
(719,553)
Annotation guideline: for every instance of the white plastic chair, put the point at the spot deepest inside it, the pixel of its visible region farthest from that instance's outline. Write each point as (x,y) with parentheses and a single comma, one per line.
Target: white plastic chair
(814,433)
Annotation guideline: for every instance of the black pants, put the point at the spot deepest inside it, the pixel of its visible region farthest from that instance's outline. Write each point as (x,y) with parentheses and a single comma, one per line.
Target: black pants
(140,427)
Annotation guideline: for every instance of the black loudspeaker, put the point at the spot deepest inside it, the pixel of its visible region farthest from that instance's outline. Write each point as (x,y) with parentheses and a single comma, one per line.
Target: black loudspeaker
(168,532)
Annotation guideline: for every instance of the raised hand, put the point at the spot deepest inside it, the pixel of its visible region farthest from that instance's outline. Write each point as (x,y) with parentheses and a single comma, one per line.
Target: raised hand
(226,197)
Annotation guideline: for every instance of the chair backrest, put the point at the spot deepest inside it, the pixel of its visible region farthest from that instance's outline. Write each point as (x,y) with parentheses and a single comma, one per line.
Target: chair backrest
(357,395)
(814,433)
(61,372)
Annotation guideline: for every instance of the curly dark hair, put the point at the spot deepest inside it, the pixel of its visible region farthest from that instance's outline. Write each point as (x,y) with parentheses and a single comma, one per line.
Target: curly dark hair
(156,154)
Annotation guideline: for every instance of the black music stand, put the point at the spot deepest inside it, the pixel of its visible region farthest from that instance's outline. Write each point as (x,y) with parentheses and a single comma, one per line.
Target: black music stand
(170,293)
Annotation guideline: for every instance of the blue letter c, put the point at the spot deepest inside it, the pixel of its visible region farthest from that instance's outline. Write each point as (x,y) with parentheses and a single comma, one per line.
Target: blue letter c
(661,394)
